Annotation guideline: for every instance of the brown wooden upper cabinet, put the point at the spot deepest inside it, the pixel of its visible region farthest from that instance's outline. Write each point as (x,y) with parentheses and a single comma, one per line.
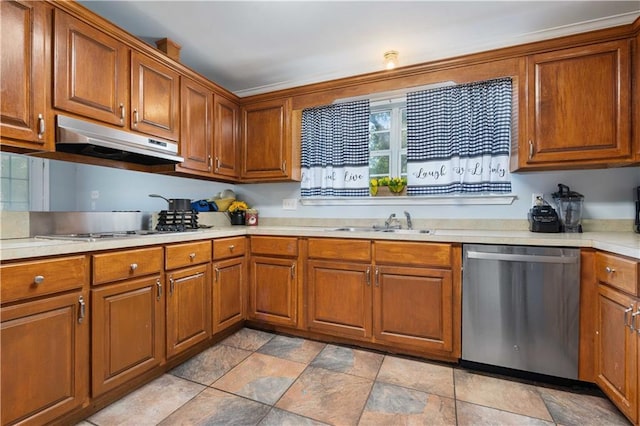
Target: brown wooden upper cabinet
(226,146)
(268,153)
(578,107)
(24,121)
(197,126)
(155,91)
(91,71)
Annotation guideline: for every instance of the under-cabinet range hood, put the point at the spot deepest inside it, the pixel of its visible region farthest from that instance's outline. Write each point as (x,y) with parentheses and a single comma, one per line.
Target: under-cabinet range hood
(90,139)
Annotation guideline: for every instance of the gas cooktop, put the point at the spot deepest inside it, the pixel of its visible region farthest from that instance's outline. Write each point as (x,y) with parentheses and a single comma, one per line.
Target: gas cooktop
(96,236)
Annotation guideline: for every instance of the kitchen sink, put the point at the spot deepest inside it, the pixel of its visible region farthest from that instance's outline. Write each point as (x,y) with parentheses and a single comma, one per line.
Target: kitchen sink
(381,229)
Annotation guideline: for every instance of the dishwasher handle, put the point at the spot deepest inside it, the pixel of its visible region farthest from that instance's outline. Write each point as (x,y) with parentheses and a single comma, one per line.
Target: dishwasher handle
(521,257)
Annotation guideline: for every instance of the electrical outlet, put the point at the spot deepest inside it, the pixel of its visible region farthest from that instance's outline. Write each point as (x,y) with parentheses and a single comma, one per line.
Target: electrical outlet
(535,196)
(290,204)
(95,195)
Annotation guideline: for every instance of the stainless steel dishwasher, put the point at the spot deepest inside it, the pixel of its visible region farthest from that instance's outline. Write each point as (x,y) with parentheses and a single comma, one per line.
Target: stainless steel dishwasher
(520,308)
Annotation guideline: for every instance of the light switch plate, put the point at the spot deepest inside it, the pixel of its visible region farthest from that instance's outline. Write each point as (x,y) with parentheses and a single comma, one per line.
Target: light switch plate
(289,204)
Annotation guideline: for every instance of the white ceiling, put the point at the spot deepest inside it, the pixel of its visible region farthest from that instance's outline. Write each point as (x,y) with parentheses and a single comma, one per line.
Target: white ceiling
(251,47)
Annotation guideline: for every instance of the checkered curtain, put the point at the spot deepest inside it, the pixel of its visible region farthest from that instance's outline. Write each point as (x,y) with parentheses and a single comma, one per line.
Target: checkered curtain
(458,139)
(335,150)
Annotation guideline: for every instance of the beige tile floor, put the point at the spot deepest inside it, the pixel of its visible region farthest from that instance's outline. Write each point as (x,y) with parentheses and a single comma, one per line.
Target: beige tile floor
(253,377)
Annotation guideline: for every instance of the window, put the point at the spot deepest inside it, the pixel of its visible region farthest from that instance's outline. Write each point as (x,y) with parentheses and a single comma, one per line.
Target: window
(24,183)
(388,139)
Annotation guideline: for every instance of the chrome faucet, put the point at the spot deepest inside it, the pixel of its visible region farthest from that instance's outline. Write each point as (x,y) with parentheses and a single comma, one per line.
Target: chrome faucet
(409,223)
(392,222)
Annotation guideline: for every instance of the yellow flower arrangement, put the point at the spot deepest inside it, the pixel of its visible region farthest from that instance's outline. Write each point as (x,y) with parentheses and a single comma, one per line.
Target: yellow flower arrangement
(237,206)
(395,184)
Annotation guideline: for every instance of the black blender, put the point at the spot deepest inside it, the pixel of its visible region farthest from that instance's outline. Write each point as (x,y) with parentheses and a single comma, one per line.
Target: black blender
(569,204)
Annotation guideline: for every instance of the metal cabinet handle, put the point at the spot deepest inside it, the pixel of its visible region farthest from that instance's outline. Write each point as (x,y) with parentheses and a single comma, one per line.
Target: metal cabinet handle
(82,312)
(634,315)
(209,162)
(368,274)
(38,279)
(627,323)
(172,284)
(377,277)
(638,316)
(284,166)
(217,163)
(41,127)
(293,270)
(217,278)
(123,112)
(192,256)
(133,266)
(159,288)
(530,149)
(609,270)
(135,117)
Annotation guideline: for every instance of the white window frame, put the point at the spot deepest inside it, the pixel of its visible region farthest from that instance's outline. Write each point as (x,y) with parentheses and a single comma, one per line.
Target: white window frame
(395,150)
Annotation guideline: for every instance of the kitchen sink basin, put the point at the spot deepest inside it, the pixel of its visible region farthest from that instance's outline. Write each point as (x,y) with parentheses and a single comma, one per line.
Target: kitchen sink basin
(381,229)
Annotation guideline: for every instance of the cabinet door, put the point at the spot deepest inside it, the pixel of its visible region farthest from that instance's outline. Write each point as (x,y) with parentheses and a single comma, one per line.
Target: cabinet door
(23,66)
(273,290)
(413,306)
(228,295)
(196,141)
(91,71)
(155,92)
(44,366)
(188,308)
(266,140)
(339,298)
(127,331)
(616,350)
(579,105)
(226,145)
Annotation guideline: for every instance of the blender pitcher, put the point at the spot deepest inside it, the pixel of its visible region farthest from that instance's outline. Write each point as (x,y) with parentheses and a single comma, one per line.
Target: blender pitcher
(569,204)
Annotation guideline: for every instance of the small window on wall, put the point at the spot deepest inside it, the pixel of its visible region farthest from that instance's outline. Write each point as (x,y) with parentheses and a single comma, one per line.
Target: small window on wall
(388,139)
(24,183)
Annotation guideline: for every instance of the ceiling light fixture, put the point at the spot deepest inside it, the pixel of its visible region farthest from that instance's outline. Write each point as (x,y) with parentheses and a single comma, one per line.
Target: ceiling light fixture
(391,59)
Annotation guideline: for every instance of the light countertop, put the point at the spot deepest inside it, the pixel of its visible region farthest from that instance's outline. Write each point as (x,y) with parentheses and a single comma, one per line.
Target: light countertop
(623,243)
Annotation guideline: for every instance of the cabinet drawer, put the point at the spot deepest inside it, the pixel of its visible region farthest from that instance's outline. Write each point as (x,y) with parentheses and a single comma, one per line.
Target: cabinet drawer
(423,254)
(180,255)
(36,278)
(229,247)
(617,271)
(109,267)
(342,249)
(279,246)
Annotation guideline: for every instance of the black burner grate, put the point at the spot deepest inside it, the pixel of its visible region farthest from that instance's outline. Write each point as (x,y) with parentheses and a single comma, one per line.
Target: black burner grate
(177,221)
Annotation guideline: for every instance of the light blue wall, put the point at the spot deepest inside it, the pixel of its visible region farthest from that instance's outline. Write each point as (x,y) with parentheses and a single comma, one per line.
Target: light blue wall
(608,194)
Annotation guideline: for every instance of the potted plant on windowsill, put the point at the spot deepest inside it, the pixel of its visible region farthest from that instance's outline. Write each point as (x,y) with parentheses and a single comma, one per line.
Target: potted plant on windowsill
(387,186)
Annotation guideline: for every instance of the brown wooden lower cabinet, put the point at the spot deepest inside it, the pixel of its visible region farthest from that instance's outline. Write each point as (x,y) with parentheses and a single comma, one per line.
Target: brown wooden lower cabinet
(228,292)
(339,298)
(127,331)
(45,358)
(273,290)
(413,306)
(617,349)
(188,308)
(399,294)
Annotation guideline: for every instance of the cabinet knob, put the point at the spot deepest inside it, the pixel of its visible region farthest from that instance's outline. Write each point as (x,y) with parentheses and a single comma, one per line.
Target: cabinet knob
(231,247)
(38,279)
(609,270)
(192,256)
(133,266)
